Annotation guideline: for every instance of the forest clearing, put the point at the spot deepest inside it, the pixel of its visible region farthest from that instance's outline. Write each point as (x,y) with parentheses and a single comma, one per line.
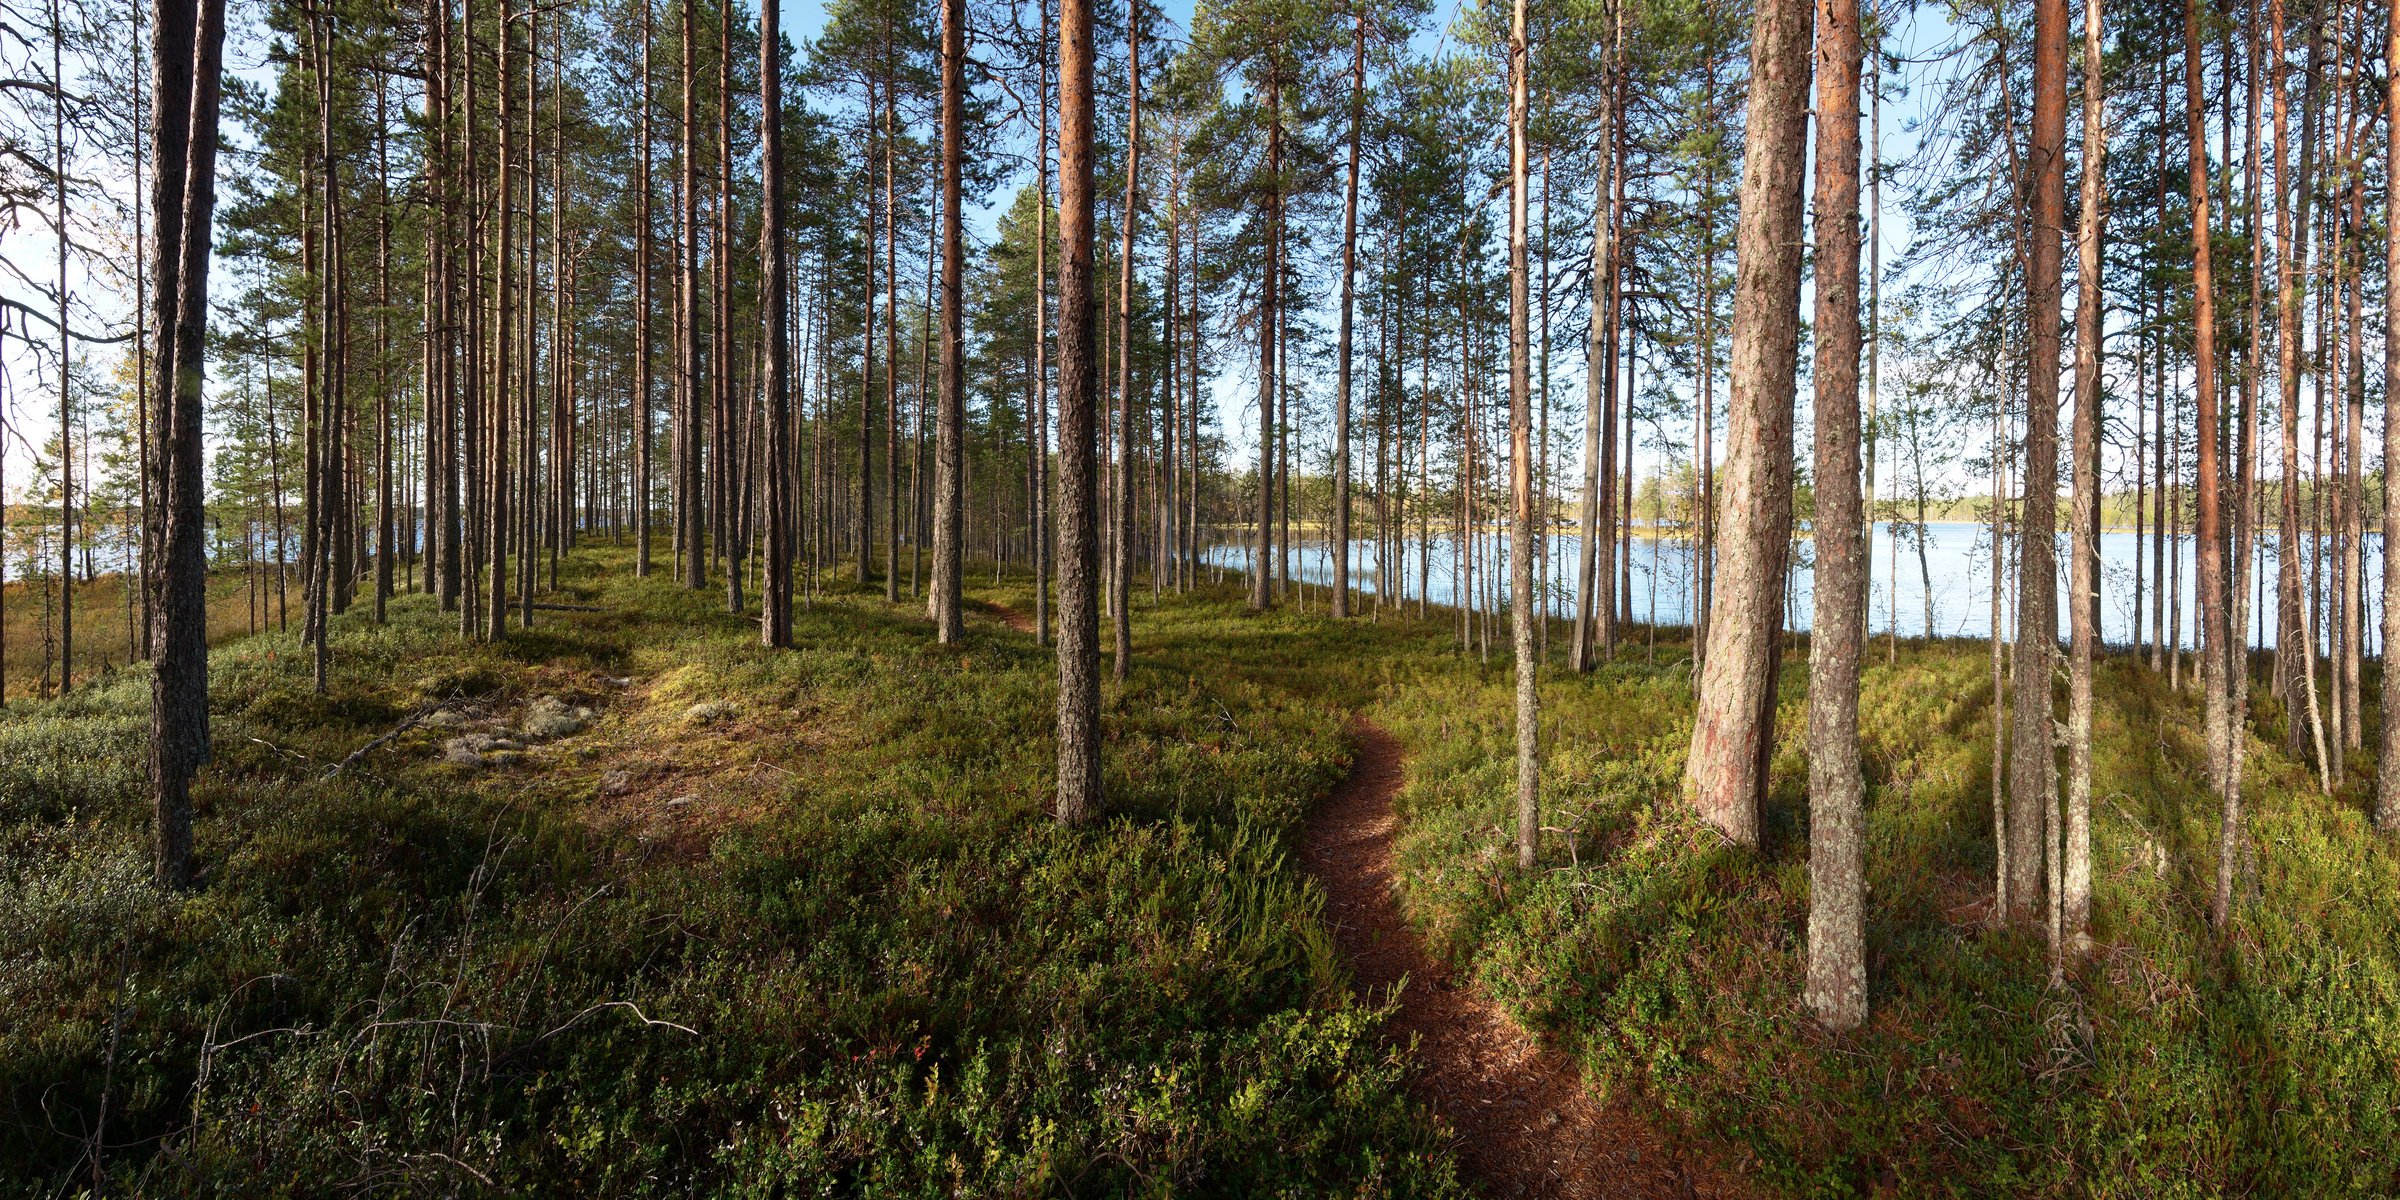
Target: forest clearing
(912,598)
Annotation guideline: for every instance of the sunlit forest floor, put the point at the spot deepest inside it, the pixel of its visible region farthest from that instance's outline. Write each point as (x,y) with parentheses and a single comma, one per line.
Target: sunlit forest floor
(627,905)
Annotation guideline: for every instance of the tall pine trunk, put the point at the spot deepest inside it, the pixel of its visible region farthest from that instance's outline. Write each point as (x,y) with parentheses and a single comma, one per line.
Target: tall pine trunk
(1733,724)
(1521,605)
(1342,339)
(2032,761)
(2387,772)
(775,600)
(2209,549)
(949,496)
(2075,901)
(1837,954)
(1079,784)
(1589,563)
(187,43)
(1121,496)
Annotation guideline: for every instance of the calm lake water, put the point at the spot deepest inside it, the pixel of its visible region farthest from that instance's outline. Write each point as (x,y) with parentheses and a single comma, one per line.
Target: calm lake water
(1957,558)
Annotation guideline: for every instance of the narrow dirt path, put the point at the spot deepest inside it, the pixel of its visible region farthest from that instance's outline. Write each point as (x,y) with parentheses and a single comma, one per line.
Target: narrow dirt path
(1526,1126)
(1008,616)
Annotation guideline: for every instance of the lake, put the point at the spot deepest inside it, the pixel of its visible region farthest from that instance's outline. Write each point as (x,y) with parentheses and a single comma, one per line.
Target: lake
(1958,559)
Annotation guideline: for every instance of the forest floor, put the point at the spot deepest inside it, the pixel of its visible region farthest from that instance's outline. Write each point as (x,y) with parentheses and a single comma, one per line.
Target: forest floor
(625,904)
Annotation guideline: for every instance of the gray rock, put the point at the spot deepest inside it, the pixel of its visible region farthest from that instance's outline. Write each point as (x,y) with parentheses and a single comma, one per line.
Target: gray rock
(708,712)
(480,750)
(549,717)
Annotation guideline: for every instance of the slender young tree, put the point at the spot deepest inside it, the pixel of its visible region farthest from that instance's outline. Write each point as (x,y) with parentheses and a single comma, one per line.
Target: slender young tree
(642,436)
(1733,728)
(1837,956)
(1079,796)
(1521,605)
(1340,606)
(1270,318)
(1121,496)
(775,615)
(2209,549)
(691,502)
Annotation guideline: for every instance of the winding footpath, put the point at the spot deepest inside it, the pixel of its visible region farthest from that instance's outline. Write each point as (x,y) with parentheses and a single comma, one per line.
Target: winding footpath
(1526,1125)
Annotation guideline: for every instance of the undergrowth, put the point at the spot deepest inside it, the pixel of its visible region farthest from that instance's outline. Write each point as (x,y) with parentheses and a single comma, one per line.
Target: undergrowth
(797,923)
(775,923)
(2177,1061)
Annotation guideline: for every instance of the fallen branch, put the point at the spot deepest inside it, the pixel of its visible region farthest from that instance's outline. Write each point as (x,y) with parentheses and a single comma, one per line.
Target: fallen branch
(414,719)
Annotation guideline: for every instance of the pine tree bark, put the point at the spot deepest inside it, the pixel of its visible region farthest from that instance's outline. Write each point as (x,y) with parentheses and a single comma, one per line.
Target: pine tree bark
(386,519)
(1837,957)
(1079,784)
(1733,723)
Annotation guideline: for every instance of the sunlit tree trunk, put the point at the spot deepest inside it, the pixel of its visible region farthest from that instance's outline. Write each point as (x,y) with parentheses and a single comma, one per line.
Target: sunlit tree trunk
(1121,496)
(1733,723)
(949,495)
(1521,603)
(2387,773)
(2294,658)
(2032,765)
(1837,953)
(2084,586)
(1268,319)
(1342,341)
(1590,565)
(642,384)
(2209,548)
